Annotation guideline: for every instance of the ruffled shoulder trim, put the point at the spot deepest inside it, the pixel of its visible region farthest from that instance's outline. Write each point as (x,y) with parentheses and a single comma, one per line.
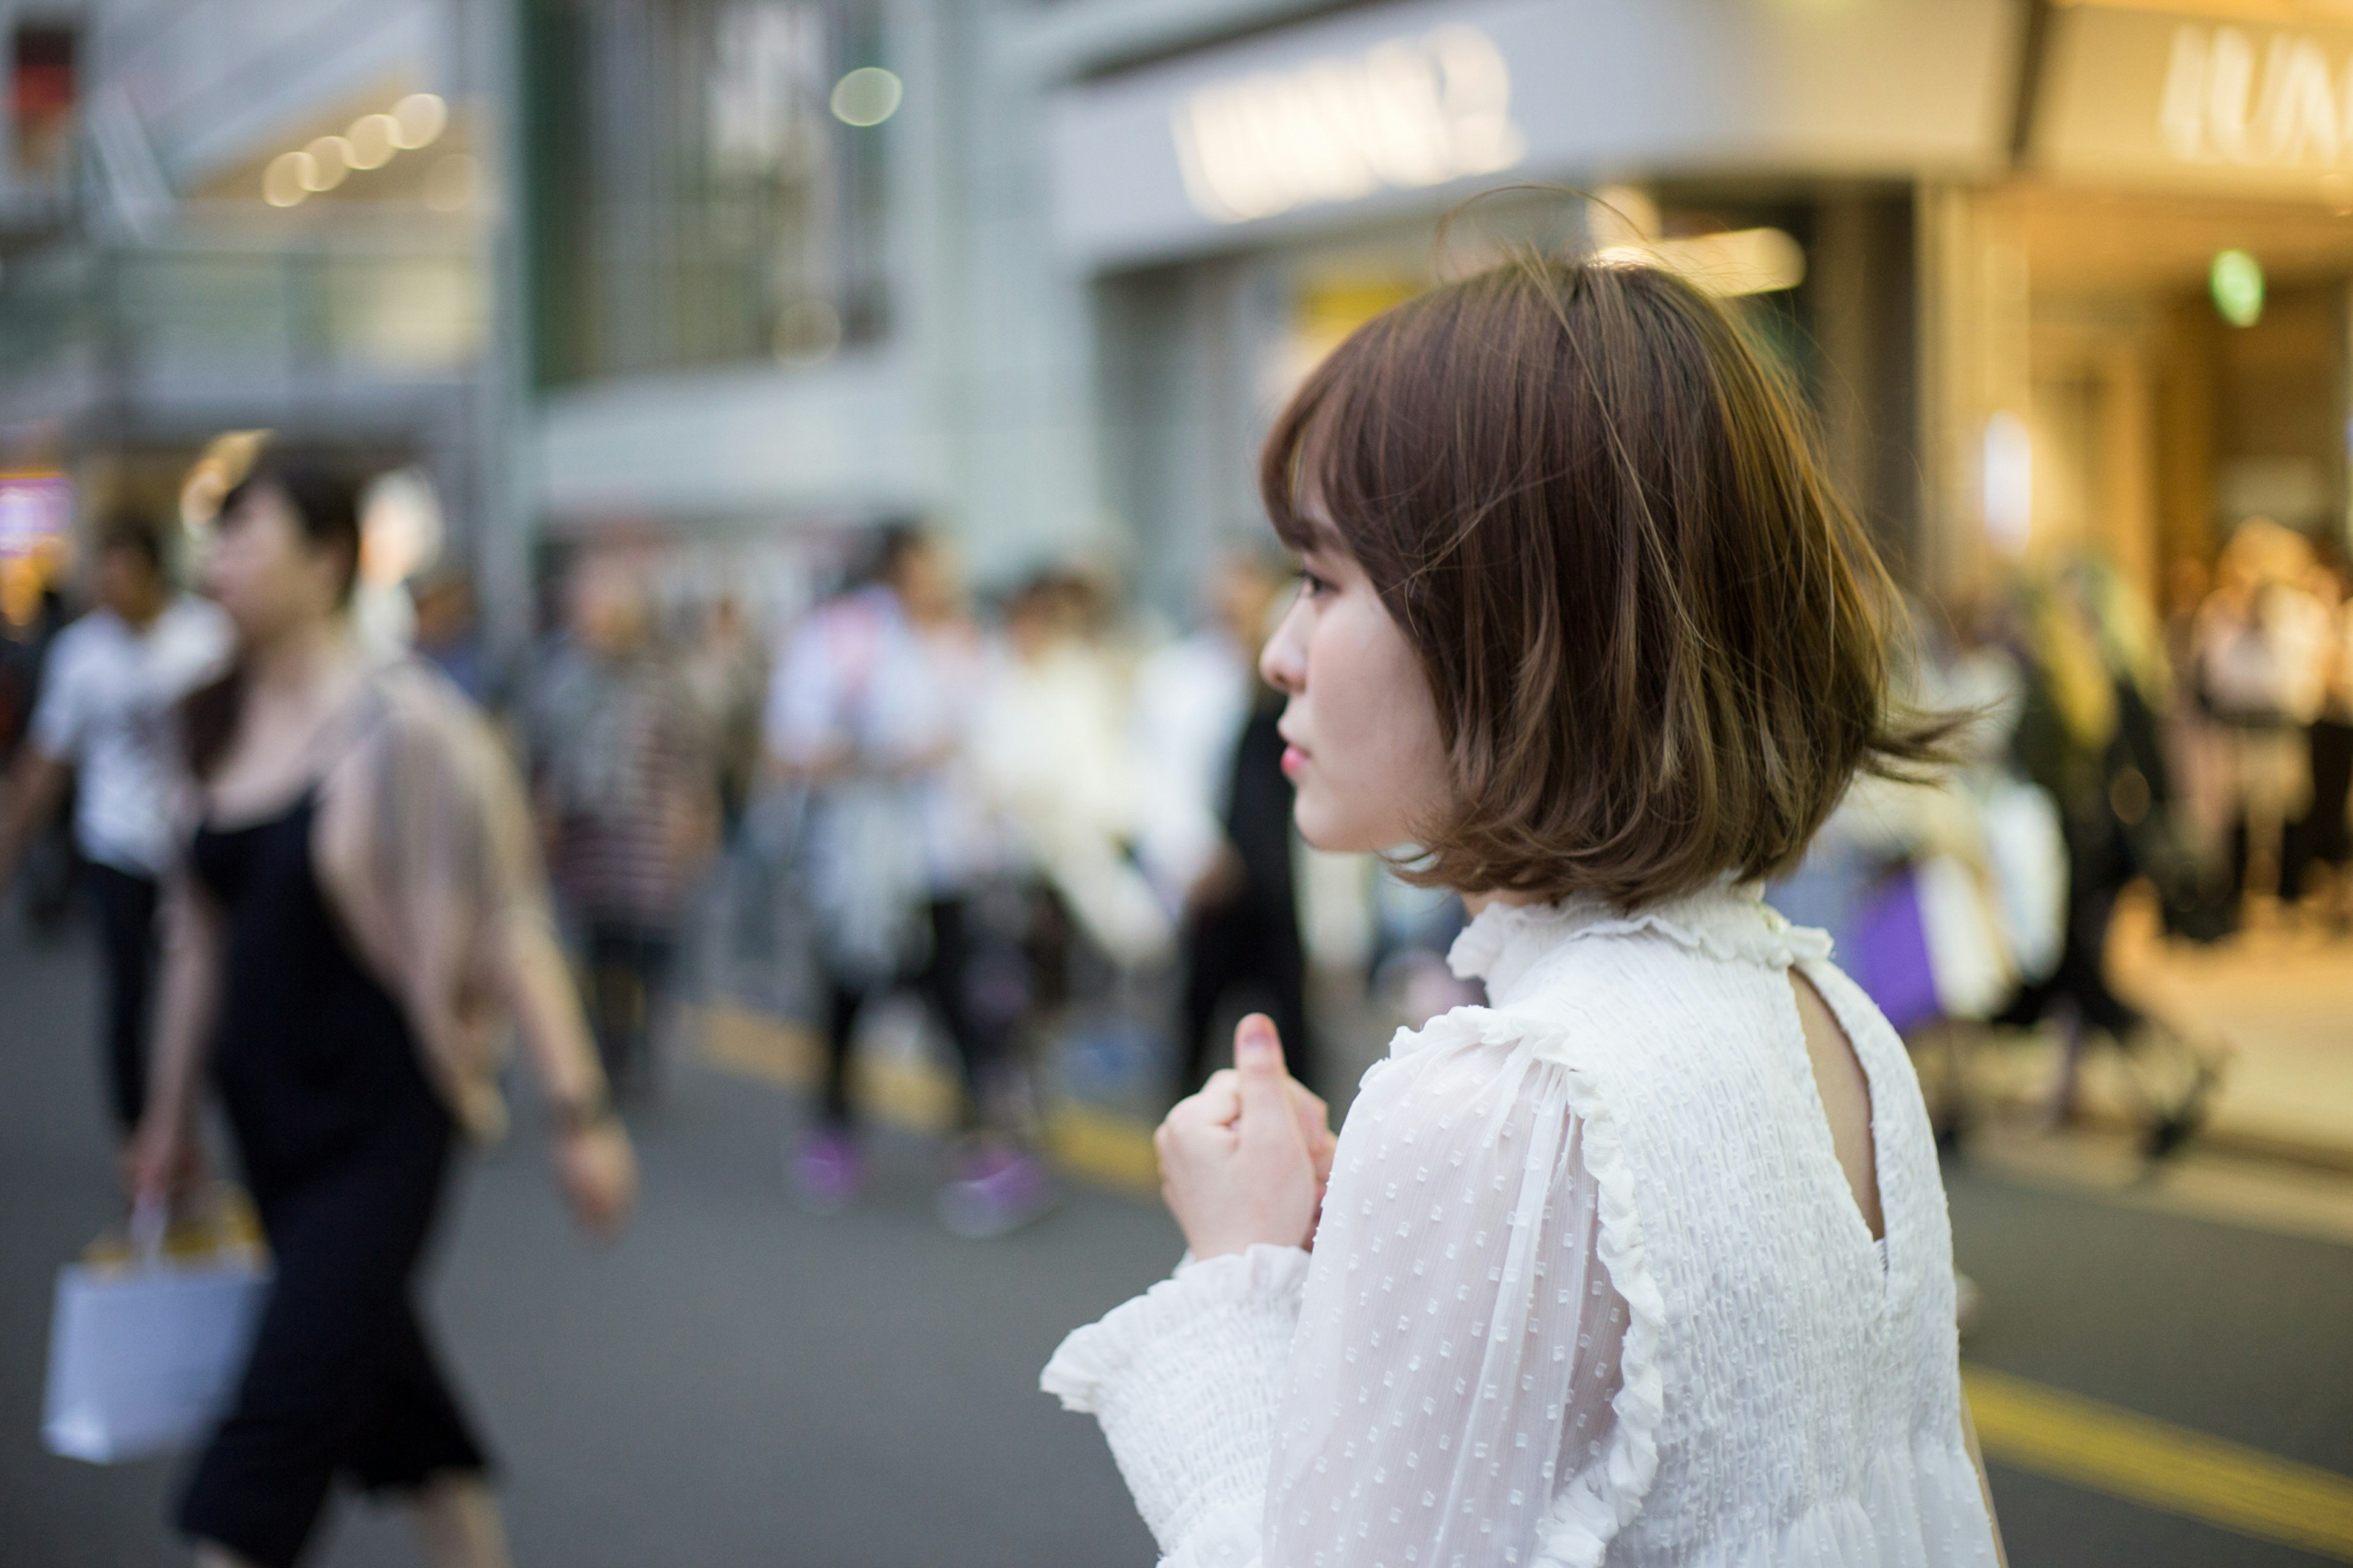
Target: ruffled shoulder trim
(1589,1511)
(1261,1276)
(1587,1514)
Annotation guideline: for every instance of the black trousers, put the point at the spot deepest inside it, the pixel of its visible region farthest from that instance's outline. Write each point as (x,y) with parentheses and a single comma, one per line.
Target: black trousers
(945,984)
(2080,979)
(628,973)
(341,1380)
(124,906)
(2321,837)
(1248,951)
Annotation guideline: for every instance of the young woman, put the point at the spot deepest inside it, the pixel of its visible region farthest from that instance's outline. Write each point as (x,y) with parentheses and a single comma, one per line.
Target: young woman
(1646,1258)
(359,913)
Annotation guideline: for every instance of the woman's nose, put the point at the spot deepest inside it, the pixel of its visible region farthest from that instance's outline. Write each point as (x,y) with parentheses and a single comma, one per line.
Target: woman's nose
(1282,663)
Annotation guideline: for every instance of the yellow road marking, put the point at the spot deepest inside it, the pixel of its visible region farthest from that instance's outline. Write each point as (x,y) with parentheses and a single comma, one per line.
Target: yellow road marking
(2141,1459)
(1101,1146)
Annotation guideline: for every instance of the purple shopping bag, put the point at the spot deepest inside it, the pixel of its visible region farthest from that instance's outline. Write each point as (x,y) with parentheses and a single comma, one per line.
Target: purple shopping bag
(1885,952)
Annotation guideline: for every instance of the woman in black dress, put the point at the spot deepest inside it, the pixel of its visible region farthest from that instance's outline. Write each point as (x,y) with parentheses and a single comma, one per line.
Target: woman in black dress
(359,916)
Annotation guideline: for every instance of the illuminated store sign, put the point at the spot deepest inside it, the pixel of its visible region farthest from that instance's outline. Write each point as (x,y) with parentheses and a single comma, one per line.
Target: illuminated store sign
(2279,108)
(1371,112)
(2235,109)
(1407,114)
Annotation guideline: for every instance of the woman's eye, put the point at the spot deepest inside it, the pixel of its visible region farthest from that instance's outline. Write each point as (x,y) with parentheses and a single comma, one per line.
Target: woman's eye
(1312,586)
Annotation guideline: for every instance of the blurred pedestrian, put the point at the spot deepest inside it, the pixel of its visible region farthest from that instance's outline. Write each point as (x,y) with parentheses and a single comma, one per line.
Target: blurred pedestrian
(2088,733)
(103,725)
(726,675)
(46,864)
(1054,746)
(1241,945)
(450,638)
(359,914)
(869,714)
(2323,837)
(1192,696)
(629,800)
(2261,647)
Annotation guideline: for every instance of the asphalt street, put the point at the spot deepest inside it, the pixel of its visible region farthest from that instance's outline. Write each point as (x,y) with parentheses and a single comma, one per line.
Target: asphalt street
(737,1383)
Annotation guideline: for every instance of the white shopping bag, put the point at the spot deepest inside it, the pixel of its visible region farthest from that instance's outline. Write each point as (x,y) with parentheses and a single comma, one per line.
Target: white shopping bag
(145,1350)
(1972,969)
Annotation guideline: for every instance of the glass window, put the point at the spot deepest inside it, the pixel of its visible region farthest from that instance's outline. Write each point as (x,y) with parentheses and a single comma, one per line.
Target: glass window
(697,201)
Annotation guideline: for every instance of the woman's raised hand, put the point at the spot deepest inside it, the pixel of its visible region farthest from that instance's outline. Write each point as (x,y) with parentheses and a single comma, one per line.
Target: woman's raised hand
(1245,1160)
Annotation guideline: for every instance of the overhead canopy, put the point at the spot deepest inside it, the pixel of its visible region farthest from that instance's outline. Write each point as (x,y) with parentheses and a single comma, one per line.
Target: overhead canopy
(1400,106)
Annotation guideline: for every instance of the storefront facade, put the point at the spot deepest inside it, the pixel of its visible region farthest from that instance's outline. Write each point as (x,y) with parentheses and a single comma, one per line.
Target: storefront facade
(1238,209)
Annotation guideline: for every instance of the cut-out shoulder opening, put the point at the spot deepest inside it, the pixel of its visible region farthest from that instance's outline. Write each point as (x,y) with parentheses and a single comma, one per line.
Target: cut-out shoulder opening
(1846,1090)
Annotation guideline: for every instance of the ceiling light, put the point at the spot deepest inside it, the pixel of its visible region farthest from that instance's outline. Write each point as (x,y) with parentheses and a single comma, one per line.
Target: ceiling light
(373,140)
(287,181)
(419,118)
(866,96)
(2236,281)
(330,160)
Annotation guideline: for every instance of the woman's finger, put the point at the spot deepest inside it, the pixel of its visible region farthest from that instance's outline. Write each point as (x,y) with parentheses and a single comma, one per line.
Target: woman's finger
(1314,1116)
(1220,1101)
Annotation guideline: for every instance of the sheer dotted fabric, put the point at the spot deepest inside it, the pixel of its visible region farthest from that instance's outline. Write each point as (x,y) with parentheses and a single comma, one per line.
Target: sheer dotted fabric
(1589,1282)
(1459,1340)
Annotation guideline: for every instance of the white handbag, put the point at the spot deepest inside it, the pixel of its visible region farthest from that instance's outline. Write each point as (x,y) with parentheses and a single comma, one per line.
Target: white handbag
(148,1340)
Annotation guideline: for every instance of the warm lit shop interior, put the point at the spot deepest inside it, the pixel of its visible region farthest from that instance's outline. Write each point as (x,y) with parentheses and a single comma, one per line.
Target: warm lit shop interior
(2139,341)
(2178,365)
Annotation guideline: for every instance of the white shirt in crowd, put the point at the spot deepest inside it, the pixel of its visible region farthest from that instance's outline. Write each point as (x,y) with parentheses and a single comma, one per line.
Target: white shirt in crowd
(858,675)
(2267,662)
(1589,1280)
(106,709)
(1192,697)
(1050,745)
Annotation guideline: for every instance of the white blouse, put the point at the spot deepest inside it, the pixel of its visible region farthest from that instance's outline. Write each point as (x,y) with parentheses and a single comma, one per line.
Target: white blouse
(1588,1280)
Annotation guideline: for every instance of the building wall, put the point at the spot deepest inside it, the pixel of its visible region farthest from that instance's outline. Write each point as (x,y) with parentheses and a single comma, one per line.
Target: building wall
(1042,398)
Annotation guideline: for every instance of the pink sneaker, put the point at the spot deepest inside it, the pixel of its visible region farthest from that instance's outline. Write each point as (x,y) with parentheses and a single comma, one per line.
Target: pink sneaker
(998,1191)
(827,1172)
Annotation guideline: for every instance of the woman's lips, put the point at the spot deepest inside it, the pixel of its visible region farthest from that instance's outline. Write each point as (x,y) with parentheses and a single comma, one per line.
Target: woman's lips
(1293,759)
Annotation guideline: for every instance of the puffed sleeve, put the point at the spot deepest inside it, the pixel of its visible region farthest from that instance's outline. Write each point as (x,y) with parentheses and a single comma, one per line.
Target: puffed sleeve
(1454,1387)
(1185,1381)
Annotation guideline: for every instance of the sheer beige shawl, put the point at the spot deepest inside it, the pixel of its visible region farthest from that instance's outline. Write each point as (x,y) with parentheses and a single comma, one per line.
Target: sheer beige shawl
(425,848)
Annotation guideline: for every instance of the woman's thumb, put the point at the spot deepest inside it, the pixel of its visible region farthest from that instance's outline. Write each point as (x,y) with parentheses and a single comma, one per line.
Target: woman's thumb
(1257,1047)
(1264,1084)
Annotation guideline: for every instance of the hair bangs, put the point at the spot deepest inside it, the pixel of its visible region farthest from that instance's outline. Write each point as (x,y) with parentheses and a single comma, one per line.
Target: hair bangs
(1311,471)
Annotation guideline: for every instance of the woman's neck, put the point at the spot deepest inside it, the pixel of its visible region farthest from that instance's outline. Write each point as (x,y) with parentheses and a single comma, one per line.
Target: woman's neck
(1476,904)
(302,658)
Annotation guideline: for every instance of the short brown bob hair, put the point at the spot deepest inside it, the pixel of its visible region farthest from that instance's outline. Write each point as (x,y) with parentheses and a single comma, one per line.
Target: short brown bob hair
(1655,634)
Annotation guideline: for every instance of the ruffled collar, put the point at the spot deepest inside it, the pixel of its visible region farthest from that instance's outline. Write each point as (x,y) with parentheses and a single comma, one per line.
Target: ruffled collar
(1730,921)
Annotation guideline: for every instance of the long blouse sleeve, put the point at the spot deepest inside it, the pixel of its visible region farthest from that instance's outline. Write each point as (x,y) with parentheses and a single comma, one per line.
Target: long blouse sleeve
(1450,1387)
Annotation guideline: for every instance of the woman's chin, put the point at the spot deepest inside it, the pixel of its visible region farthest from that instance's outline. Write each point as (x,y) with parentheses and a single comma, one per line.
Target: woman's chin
(1329,831)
